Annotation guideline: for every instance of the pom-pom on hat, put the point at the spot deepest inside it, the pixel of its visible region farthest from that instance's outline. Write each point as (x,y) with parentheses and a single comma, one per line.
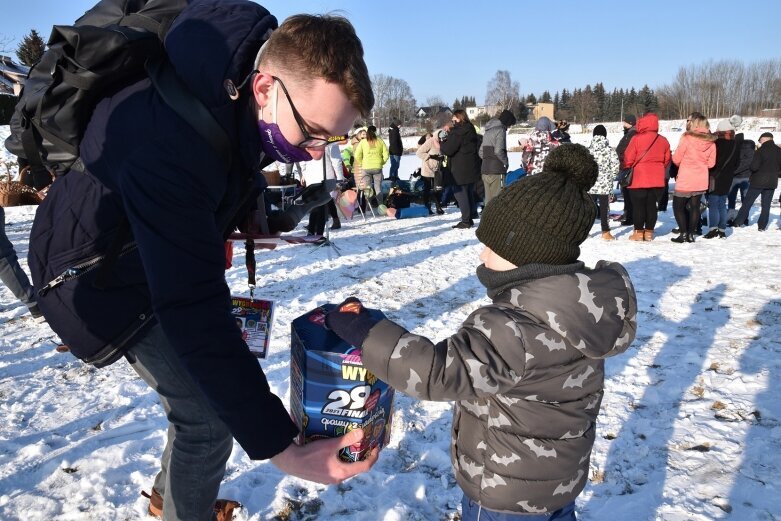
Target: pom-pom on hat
(544,218)
(736,120)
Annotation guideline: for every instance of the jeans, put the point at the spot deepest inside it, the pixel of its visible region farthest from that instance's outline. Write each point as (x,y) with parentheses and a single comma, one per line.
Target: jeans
(471,511)
(492,184)
(11,274)
(751,196)
(199,443)
(394,168)
(717,211)
(738,185)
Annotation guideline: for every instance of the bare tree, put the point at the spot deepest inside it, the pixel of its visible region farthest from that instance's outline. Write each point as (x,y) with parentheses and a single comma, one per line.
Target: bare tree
(502,91)
(393,99)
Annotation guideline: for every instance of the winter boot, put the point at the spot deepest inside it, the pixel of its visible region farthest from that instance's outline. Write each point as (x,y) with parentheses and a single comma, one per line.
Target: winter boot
(689,237)
(223,508)
(607,236)
(712,234)
(336,223)
(648,235)
(637,235)
(680,239)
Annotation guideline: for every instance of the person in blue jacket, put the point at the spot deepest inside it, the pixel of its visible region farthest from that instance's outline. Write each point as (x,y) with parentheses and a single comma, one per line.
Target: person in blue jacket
(129,259)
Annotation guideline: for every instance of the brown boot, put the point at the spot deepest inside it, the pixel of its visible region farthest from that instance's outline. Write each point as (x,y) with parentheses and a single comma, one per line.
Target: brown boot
(648,235)
(155,503)
(637,235)
(223,508)
(608,236)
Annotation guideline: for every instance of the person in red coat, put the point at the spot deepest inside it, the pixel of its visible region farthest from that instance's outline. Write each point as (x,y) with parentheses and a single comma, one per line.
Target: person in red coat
(648,154)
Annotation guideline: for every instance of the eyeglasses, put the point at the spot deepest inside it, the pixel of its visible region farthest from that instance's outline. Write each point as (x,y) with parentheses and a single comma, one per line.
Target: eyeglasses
(309,140)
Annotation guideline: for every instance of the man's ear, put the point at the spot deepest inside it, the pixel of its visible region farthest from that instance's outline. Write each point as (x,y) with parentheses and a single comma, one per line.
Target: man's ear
(262,83)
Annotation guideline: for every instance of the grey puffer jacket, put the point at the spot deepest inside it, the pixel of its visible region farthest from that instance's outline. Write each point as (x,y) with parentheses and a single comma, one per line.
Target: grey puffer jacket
(527,374)
(493,151)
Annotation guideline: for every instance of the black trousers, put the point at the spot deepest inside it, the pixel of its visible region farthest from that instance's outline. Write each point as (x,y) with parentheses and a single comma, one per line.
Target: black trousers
(687,213)
(603,204)
(628,210)
(644,206)
(428,187)
(465,197)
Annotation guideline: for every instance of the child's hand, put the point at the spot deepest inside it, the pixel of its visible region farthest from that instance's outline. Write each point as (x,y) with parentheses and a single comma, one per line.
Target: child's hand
(350,321)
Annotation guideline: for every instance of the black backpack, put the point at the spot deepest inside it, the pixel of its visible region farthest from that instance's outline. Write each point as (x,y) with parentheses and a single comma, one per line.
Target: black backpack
(112,45)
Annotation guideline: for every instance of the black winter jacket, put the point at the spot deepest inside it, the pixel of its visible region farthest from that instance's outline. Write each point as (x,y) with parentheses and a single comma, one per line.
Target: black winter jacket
(148,167)
(727,156)
(766,166)
(395,146)
(461,148)
(621,147)
(747,149)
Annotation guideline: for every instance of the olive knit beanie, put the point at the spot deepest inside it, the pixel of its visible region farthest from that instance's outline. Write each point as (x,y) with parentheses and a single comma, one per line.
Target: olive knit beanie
(544,218)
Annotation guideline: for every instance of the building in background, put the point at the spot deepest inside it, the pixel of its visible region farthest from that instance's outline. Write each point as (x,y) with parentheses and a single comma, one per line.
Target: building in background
(12,76)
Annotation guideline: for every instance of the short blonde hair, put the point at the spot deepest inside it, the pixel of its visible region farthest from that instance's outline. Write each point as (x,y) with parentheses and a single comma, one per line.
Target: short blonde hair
(325,47)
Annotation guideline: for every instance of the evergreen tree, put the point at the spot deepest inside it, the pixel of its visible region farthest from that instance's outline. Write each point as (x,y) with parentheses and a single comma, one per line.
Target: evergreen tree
(456,104)
(556,102)
(601,98)
(31,48)
(531,98)
(546,97)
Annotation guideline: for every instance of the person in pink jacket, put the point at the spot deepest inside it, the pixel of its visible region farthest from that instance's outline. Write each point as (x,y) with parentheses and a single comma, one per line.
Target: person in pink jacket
(695,155)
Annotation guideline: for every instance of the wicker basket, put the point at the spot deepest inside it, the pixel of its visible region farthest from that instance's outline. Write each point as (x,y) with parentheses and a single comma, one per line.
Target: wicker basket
(16,193)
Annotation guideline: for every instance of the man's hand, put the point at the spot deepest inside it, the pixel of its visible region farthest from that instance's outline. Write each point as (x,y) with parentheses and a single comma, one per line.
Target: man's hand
(318,461)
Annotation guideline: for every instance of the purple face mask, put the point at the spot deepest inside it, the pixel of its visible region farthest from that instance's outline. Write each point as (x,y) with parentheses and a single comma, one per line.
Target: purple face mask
(274,143)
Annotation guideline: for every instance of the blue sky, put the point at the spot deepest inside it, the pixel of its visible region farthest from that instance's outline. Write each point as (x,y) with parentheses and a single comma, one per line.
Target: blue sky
(454,48)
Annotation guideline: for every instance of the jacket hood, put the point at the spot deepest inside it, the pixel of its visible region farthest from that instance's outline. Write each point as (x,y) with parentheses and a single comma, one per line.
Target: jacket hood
(212,41)
(545,124)
(215,40)
(593,311)
(648,123)
(493,123)
(702,134)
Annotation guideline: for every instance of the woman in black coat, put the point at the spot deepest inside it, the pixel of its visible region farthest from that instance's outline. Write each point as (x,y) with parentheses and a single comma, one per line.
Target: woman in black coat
(461,148)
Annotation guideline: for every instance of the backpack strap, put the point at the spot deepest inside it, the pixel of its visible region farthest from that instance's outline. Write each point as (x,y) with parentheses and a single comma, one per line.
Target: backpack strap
(177,96)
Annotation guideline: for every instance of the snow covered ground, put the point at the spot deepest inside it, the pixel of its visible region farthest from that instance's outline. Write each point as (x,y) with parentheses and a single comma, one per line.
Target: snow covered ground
(690,427)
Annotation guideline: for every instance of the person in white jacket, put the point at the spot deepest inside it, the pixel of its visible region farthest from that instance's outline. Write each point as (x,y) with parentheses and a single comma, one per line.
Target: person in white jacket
(312,173)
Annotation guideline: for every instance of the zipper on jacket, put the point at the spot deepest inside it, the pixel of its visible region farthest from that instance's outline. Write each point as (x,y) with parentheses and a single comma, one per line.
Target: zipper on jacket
(80,269)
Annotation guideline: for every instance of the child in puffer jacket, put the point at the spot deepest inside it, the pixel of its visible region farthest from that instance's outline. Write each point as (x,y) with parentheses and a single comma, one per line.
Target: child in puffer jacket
(526,372)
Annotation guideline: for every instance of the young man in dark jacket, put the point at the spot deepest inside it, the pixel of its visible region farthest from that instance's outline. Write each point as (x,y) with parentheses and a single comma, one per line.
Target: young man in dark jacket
(395,149)
(158,190)
(765,169)
(527,371)
(493,152)
(629,123)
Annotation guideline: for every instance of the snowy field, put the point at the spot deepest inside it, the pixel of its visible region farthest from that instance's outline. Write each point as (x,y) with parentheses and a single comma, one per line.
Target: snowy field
(690,427)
